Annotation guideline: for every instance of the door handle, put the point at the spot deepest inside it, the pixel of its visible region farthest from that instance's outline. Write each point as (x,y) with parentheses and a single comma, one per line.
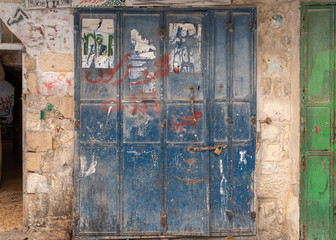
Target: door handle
(217,149)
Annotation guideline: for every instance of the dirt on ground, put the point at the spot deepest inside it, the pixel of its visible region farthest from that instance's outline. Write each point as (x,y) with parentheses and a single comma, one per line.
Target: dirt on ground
(11,197)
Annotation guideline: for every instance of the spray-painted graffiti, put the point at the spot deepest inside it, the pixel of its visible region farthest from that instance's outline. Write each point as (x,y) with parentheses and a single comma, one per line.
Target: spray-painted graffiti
(139,104)
(18,17)
(162,69)
(183,57)
(52,85)
(110,73)
(178,125)
(6,101)
(98,43)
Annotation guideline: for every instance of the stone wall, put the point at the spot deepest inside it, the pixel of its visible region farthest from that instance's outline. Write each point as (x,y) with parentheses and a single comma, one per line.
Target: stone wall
(49,122)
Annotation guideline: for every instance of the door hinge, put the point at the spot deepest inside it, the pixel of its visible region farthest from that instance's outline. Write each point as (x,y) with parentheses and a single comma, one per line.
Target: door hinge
(254,24)
(230,27)
(303,163)
(77,123)
(254,120)
(230,214)
(304,24)
(163,221)
(253,215)
(162,33)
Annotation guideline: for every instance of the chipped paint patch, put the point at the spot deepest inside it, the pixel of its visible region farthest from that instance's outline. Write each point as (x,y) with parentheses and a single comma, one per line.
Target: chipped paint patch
(142,47)
(276,21)
(242,158)
(223,180)
(92,168)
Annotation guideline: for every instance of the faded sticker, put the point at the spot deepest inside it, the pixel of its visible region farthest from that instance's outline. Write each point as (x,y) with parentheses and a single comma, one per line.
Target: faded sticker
(185,40)
(98,43)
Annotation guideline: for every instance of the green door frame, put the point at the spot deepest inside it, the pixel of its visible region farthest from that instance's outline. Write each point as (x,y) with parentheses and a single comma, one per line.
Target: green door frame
(317,220)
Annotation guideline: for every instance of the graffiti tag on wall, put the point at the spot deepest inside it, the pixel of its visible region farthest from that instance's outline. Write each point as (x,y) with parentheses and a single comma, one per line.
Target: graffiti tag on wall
(6,102)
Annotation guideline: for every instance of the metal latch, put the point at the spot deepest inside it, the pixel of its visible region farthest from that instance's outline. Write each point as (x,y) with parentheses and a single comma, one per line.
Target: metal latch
(217,149)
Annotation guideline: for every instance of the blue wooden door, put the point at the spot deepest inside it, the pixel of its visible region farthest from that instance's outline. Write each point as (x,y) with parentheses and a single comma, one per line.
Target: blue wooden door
(165,133)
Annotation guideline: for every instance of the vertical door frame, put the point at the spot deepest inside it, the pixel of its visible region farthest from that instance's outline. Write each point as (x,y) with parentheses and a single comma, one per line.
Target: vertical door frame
(304,120)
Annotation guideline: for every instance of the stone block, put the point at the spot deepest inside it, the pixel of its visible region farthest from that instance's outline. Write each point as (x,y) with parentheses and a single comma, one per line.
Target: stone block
(64,158)
(56,62)
(270,132)
(37,183)
(38,141)
(61,204)
(273,186)
(275,152)
(266,85)
(35,102)
(33,162)
(33,122)
(277,88)
(29,62)
(277,110)
(67,138)
(48,166)
(32,82)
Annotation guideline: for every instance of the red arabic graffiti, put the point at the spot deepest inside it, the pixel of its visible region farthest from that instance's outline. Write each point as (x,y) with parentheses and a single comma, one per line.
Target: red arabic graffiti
(111,73)
(186,121)
(161,72)
(140,103)
(162,66)
(57,84)
(162,69)
(142,107)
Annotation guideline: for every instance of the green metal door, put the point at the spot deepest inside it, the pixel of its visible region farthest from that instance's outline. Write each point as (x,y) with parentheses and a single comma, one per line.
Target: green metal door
(317,121)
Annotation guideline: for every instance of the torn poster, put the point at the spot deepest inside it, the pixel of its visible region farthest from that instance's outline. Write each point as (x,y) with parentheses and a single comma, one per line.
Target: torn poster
(98,43)
(185,39)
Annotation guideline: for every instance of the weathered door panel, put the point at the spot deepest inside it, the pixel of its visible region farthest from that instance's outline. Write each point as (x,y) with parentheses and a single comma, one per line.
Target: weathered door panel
(221,191)
(318,118)
(242,187)
(242,51)
(99,189)
(186,191)
(100,123)
(141,189)
(152,113)
(317,121)
(232,172)
(141,45)
(318,197)
(186,123)
(186,65)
